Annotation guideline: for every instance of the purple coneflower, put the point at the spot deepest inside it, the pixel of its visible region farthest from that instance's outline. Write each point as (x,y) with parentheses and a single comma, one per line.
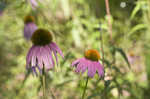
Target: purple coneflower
(90,62)
(132,57)
(29,27)
(40,54)
(34,3)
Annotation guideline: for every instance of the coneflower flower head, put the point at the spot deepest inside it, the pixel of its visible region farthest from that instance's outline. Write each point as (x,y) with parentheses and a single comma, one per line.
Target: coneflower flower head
(92,55)
(40,54)
(29,27)
(29,19)
(41,37)
(90,63)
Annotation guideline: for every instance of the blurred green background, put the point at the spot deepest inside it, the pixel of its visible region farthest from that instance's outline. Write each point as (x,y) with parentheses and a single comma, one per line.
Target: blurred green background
(75,25)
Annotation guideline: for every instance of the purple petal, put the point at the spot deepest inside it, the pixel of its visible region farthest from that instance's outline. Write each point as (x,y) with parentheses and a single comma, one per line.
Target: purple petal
(34,56)
(29,29)
(55,53)
(50,55)
(84,67)
(91,69)
(100,69)
(33,3)
(29,56)
(75,62)
(44,57)
(39,58)
(56,48)
(79,67)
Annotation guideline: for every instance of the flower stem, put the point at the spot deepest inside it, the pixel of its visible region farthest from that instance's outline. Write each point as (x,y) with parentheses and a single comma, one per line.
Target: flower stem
(102,47)
(109,18)
(44,83)
(85,88)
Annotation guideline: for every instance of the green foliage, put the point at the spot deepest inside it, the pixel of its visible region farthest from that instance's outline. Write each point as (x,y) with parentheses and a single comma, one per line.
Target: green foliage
(119,50)
(75,27)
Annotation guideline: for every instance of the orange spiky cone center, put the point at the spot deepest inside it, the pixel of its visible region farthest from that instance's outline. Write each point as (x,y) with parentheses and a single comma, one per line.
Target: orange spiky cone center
(92,55)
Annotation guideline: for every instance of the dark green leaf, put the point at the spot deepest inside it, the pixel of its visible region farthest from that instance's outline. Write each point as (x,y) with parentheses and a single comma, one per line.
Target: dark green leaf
(120,50)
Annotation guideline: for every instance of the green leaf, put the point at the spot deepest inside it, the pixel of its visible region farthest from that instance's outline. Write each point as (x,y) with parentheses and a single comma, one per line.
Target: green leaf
(120,50)
(108,64)
(100,94)
(136,28)
(135,10)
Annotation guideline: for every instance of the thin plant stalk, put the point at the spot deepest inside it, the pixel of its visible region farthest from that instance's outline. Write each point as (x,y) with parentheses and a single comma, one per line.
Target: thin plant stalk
(44,83)
(109,18)
(102,48)
(83,95)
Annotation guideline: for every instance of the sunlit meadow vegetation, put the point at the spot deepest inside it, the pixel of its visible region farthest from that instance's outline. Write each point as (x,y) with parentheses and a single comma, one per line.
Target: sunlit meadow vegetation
(78,25)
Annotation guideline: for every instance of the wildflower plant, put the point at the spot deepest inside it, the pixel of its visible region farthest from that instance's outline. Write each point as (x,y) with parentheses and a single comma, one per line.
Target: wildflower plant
(40,54)
(39,57)
(89,63)
(34,3)
(29,27)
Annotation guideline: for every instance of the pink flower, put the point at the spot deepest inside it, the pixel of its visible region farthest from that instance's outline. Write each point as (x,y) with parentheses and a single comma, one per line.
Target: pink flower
(90,63)
(40,54)
(29,27)
(133,58)
(34,3)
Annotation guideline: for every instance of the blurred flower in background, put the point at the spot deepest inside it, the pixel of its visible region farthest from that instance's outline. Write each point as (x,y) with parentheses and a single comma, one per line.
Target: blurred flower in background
(133,58)
(90,62)
(40,54)
(2,7)
(34,3)
(29,27)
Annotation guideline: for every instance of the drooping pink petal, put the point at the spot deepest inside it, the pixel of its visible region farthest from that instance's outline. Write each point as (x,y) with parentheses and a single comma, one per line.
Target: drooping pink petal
(75,62)
(48,60)
(91,69)
(55,53)
(56,48)
(100,69)
(84,67)
(79,67)
(33,3)
(28,58)
(34,56)
(44,57)
(50,55)
(39,58)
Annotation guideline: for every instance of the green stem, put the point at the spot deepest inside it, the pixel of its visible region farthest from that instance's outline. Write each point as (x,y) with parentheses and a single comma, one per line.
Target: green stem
(85,88)
(44,83)
(102,47)
(109,19)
